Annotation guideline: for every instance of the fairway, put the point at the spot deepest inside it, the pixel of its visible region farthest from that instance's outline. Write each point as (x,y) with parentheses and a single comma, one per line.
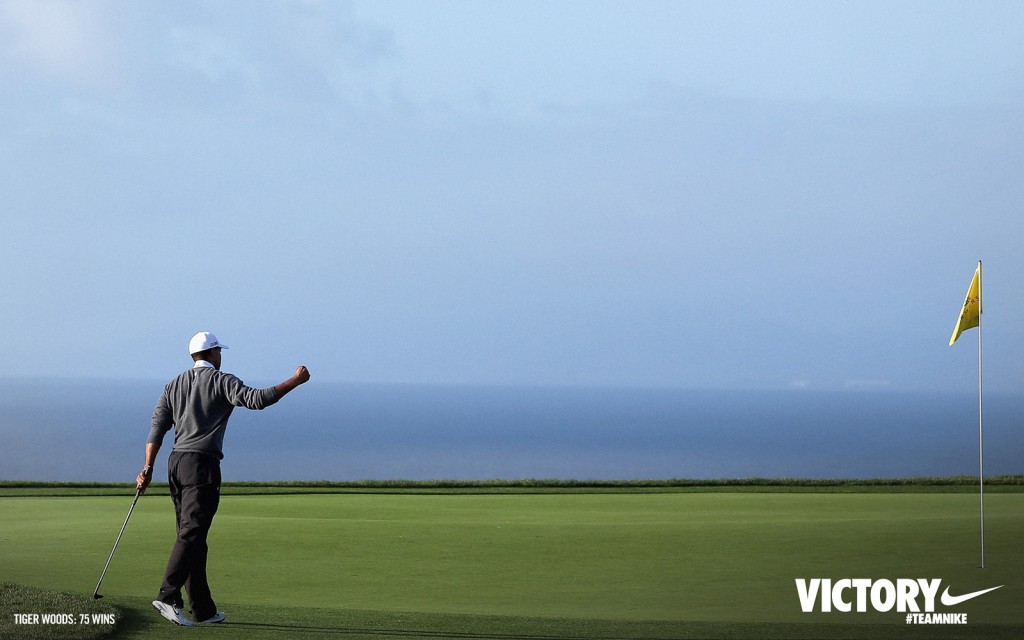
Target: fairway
(654,563)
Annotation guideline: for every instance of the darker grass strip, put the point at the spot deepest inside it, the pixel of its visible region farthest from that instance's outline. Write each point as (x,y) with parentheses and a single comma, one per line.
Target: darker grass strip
(37,603)
(950,484)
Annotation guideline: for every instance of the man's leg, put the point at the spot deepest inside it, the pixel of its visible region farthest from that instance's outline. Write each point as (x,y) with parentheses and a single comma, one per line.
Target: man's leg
(174,598)
(169,601)
(206,500)
(170,594)
(199,477)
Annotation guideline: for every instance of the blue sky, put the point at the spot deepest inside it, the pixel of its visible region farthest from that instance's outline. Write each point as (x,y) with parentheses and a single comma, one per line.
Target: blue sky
(690,194)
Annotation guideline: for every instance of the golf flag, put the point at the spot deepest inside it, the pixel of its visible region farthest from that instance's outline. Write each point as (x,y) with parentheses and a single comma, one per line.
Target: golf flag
(970,315)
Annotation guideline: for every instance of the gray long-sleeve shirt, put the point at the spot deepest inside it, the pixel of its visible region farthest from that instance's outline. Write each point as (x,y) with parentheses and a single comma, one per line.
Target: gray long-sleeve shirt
(198,403)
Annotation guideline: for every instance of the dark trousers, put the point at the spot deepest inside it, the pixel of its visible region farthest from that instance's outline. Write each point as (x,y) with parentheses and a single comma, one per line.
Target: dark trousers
(195,489)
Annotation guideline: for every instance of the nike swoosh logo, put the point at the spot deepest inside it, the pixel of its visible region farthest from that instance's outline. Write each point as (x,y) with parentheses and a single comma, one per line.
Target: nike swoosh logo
(952,601)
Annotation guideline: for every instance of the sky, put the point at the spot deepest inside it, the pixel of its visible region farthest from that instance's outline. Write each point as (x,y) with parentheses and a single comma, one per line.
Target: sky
(785,195)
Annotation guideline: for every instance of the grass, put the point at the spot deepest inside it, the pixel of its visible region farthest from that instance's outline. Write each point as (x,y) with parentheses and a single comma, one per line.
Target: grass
(647,563)
(73,608)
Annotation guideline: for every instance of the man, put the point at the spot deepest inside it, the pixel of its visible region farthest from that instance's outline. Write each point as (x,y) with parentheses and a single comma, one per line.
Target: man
(198,404)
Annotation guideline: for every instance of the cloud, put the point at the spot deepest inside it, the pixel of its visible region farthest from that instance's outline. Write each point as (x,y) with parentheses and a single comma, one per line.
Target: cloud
(201,52)
(282,36)
(63,40)
(213,57)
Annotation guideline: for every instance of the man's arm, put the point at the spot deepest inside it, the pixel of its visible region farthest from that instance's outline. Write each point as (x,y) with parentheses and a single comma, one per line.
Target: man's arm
(146,475)
(162,423)
(258,398)
(301,377)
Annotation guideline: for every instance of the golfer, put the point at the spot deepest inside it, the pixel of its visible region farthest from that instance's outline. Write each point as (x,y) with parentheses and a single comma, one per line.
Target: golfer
(198,404)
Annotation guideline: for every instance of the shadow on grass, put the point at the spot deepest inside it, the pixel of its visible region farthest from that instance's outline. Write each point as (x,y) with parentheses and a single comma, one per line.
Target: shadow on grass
(419,633)
(138,620)
(679,631)
(609,630)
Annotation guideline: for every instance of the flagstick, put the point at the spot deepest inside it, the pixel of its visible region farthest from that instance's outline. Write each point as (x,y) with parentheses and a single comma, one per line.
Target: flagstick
(981,446)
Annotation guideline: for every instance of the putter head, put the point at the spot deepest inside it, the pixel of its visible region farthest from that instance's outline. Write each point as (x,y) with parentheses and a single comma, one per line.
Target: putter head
(96,596)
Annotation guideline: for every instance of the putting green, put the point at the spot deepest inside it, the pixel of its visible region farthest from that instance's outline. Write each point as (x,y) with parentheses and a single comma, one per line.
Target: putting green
(669,557)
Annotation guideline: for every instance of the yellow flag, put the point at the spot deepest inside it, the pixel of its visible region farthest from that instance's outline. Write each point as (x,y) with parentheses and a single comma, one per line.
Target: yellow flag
(970,315)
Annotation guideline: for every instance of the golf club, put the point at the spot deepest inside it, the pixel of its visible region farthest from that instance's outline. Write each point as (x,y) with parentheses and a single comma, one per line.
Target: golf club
(96,594)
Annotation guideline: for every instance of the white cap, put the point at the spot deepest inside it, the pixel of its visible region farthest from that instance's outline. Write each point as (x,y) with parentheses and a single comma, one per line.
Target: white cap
(202,341)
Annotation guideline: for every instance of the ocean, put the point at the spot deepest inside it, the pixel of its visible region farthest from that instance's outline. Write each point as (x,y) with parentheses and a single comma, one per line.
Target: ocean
(95,430)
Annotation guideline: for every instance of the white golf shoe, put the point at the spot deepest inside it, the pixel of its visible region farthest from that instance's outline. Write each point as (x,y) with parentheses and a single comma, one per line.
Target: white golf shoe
(217,617)
(173,614)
